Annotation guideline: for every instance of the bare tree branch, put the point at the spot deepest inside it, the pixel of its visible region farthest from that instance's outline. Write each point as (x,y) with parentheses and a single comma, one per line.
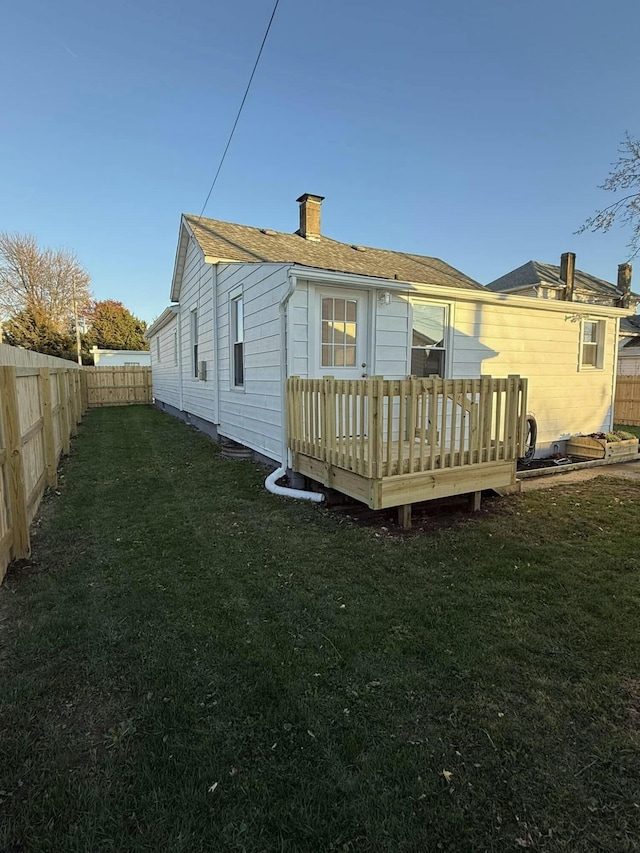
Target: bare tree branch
(624,175)
(42,282)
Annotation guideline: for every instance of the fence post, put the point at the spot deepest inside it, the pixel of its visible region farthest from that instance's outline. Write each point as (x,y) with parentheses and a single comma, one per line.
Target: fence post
(78,389)
(84,402)
(71,403)
(47,414)
(21,546)
(64,411)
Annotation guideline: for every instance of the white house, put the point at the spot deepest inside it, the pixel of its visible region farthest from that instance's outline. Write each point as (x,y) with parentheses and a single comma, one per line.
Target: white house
(120,357)
(254,306)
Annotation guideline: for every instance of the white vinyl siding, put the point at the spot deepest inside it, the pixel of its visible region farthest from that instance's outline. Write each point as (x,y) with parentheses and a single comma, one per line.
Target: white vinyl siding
(253,417)
(544,346)
(198,398)
(166,378)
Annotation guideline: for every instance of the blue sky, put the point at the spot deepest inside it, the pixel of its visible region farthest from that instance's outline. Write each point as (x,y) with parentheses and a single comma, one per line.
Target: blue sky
(474,132)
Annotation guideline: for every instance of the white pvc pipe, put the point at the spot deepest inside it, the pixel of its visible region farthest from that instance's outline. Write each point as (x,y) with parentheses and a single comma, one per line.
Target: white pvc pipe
(270,486)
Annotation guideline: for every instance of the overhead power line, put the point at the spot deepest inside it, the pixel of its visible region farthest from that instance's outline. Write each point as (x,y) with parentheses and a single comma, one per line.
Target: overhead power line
(244,98)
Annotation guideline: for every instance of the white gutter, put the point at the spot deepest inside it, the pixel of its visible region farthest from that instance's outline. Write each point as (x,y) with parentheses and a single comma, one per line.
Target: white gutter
(270,482)
(463,294)
(614,370)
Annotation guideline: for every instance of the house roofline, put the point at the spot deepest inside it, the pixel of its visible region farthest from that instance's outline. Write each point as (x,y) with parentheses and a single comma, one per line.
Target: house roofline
(167,315)
(181,256)
(468,294)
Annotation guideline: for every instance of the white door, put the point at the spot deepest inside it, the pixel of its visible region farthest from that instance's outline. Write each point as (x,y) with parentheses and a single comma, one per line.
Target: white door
(341,339)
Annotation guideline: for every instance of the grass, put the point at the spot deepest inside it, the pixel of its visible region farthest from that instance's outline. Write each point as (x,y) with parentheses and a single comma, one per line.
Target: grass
(634,430)
(191,664)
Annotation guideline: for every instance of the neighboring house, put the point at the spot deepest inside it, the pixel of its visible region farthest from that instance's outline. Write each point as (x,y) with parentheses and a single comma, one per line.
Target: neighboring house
(629,352)
(120,357)
(546,281)
(255,306)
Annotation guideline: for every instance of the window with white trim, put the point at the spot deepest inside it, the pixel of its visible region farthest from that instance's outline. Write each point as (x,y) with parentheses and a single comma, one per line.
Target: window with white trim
(339,332)
(428,339)
(237,337)
(194,343)
(592,344)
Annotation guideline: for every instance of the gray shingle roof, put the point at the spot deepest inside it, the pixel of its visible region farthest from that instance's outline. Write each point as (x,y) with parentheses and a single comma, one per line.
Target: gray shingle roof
(535,272)
(228,241)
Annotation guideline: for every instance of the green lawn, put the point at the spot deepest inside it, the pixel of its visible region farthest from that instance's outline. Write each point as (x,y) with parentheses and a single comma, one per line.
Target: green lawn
(192,664)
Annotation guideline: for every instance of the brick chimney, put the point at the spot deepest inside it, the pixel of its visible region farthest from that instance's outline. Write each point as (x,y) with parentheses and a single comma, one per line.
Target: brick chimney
(624,285)
(567,270)
(310,209)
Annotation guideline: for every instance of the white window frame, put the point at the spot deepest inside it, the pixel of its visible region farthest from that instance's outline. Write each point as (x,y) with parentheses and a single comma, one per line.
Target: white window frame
(447,349)
(598,345)
(194,342)
(236,339)
(158,348)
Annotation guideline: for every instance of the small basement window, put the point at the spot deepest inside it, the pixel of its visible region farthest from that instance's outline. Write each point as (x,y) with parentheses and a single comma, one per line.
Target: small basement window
(592,344)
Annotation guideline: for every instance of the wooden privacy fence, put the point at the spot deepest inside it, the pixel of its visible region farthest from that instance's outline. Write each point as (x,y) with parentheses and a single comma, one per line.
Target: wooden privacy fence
(627,401)
(40,408)
(381,428)
(117,386)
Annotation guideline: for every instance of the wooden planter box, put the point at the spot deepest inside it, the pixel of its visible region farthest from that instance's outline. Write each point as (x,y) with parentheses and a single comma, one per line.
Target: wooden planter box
(598,448)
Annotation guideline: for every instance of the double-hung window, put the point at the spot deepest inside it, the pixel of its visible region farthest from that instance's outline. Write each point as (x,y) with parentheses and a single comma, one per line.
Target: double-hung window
(592,344)
(194,343)
(237,338)
(428,341)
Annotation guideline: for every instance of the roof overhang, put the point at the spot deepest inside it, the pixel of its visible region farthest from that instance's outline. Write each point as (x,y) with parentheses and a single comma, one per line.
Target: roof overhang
(164,319)
(438,291)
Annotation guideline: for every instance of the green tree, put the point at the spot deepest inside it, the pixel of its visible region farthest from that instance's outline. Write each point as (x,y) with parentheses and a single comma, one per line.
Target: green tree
(114,327)
(38,334)
(624,176)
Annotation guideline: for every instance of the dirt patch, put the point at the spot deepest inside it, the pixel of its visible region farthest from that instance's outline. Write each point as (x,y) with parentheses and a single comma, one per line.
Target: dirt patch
(427,517)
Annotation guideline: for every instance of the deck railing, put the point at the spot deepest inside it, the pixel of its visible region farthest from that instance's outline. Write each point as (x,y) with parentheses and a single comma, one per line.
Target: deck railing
(380,427)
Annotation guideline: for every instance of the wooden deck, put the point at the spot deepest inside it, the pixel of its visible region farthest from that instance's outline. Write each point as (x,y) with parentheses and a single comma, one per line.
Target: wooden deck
(396,442)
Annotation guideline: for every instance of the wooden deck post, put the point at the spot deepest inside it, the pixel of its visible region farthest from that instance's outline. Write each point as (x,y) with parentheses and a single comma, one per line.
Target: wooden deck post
(475,501)
(21,546)
(404,516)
(47,415)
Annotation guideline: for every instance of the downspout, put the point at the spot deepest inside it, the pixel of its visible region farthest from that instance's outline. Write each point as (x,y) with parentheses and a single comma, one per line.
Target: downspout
(180,383)
(270,482)
(614,381)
